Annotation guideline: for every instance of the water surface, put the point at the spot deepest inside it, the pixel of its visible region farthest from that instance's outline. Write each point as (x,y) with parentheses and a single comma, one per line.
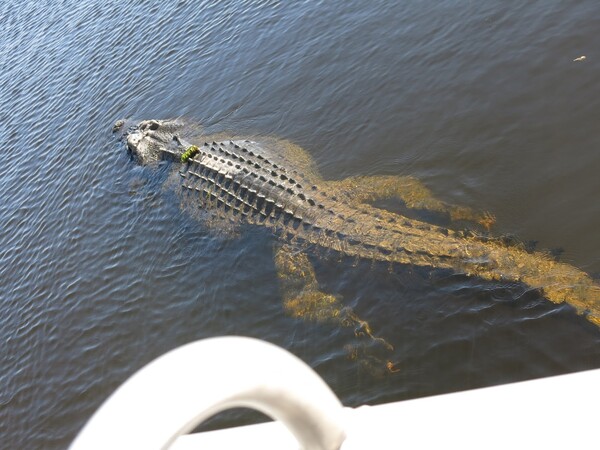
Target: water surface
(101,271)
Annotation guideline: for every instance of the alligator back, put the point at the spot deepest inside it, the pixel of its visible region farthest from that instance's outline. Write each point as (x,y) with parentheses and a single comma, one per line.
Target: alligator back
(242,179)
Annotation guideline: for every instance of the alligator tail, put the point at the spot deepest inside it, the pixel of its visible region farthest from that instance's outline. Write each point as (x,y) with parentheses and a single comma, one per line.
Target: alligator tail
(559,282)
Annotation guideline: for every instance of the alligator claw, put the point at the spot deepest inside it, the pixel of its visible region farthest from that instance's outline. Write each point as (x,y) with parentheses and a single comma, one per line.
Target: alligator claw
(487,220)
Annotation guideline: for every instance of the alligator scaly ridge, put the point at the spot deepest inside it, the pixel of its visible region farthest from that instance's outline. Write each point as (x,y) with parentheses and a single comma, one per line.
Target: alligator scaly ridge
(268,185)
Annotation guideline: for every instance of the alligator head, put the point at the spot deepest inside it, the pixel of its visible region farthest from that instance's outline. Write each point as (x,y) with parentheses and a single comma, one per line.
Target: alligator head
(150,138)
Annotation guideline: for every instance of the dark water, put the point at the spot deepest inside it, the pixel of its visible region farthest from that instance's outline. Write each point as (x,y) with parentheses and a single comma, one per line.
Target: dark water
(101,271)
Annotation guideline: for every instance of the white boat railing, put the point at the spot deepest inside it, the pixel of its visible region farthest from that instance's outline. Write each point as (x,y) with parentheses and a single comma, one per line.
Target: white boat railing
(178,391)
(168,398)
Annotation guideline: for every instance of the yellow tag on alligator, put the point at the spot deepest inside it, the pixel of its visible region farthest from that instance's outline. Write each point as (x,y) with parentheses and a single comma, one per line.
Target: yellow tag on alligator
(190,152)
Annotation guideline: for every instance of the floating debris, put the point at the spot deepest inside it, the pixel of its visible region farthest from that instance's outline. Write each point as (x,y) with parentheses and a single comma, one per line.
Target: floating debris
(580,58)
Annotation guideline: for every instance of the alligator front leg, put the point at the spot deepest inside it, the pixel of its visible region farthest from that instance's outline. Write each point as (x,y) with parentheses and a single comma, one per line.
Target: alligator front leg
(303,298)
(368,189)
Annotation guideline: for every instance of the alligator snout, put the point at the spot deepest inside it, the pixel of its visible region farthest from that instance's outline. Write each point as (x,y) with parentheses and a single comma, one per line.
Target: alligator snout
(133,139)
(151,138)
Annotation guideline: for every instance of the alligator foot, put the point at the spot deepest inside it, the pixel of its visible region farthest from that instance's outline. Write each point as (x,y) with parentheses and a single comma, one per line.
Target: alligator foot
(303,298)
(362,328)
(377,365)
(485,219)
(301,293)
(414,194)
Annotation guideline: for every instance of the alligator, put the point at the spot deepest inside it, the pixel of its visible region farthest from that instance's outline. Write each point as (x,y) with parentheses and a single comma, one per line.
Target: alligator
(275,184)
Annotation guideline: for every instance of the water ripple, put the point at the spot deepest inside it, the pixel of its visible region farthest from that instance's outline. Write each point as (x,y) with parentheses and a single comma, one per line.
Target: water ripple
(101,271)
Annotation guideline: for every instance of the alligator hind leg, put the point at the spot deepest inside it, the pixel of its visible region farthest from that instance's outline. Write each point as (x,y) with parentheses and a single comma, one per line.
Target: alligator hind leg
(301,294)
(368,189)
(303,298)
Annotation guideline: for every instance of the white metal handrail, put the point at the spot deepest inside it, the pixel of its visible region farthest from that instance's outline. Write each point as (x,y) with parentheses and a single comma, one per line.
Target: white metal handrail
(176,392)
(179,390)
